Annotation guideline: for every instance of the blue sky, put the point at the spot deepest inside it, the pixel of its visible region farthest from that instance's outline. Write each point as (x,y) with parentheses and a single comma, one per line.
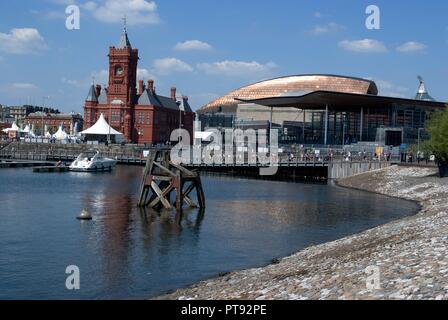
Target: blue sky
(207,48)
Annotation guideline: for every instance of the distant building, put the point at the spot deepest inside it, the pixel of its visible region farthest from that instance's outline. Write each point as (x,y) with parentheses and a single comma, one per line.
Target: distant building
(72,122)
(218,120)
(4,125)
(136,110)
(5,115)
(19,113)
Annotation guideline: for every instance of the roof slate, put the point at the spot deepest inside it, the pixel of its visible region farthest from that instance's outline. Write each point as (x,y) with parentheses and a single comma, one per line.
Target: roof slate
(148,98)
(91,97)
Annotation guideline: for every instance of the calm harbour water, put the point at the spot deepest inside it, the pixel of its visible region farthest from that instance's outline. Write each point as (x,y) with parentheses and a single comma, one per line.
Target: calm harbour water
(125,253)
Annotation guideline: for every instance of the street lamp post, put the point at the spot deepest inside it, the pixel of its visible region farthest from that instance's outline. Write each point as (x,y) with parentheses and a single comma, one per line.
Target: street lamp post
(418,144)
(42,114)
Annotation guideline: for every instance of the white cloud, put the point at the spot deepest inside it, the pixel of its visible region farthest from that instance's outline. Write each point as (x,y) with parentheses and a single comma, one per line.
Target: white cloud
(363,46)
(317,15)
(412,47)
(145,74)
(22,41)
(136,11)
(237,68)
(192,45)
(26,86)
(171,65)
(389,89)
(331,27)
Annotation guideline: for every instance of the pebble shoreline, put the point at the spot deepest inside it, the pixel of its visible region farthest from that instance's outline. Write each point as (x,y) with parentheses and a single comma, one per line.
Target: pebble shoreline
(411,254)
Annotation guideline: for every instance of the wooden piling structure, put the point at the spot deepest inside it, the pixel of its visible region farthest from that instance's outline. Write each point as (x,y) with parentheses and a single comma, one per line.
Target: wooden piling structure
(162,177)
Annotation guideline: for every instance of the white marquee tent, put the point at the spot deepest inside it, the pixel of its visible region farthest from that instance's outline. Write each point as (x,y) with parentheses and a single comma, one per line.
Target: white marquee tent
(14,127)
(101,129)
(31,133)
(27,129)
(60,134)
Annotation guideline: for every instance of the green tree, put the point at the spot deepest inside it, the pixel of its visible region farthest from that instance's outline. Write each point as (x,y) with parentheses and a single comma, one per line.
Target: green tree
(437,128)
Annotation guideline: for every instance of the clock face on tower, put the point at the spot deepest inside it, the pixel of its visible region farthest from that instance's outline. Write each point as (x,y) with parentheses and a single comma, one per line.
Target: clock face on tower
(118,70)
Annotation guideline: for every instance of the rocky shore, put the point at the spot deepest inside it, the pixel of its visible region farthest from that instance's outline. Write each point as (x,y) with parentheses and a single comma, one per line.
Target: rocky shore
(405,259)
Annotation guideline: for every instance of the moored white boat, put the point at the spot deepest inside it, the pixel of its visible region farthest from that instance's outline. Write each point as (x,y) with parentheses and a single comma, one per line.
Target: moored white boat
(97,163)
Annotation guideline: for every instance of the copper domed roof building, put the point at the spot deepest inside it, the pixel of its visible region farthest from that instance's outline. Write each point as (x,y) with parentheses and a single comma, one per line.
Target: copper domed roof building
(322,109)
(290,84)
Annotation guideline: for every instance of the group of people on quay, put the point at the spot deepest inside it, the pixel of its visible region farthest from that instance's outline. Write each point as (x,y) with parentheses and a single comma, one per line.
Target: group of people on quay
(304,154)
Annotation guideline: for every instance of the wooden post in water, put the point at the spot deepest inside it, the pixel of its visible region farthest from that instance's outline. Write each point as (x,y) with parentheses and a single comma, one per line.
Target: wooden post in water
(161,177)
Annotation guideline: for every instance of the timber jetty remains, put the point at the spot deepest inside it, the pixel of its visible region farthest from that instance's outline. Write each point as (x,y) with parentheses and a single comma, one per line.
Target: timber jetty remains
(162,177)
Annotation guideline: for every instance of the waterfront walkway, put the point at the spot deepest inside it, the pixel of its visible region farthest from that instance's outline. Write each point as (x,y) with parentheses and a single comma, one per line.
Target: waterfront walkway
(293,169)
(411,254)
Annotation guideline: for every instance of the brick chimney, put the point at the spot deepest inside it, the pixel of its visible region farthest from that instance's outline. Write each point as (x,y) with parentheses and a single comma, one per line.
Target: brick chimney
(98,90)
(151,86)
(140,87)
(173,93)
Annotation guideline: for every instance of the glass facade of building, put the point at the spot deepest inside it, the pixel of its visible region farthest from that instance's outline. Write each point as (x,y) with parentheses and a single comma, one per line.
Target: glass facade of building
(324,110)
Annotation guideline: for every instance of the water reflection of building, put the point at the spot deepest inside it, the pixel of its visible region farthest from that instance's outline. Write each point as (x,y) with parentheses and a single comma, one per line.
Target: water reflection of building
(113,203)
(125,234)
(166,227)
(323,109)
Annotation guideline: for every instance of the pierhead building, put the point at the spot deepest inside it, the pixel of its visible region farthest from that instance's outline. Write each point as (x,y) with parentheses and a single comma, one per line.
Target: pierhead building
(134,107)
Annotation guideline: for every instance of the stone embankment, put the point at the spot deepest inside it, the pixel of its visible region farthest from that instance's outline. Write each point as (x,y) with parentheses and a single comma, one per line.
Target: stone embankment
(404,259)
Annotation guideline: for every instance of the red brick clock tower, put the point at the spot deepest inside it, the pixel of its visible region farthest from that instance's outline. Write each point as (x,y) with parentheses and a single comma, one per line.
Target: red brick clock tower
(123,62)
(136,110)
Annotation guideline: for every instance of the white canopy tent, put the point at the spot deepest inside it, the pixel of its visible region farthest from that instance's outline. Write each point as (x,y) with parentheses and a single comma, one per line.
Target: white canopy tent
(27,129)
(101,129)
(60,134)
(14,127)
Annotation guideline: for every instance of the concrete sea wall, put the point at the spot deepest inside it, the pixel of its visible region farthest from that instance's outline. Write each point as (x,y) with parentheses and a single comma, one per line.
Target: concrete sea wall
(344,169)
